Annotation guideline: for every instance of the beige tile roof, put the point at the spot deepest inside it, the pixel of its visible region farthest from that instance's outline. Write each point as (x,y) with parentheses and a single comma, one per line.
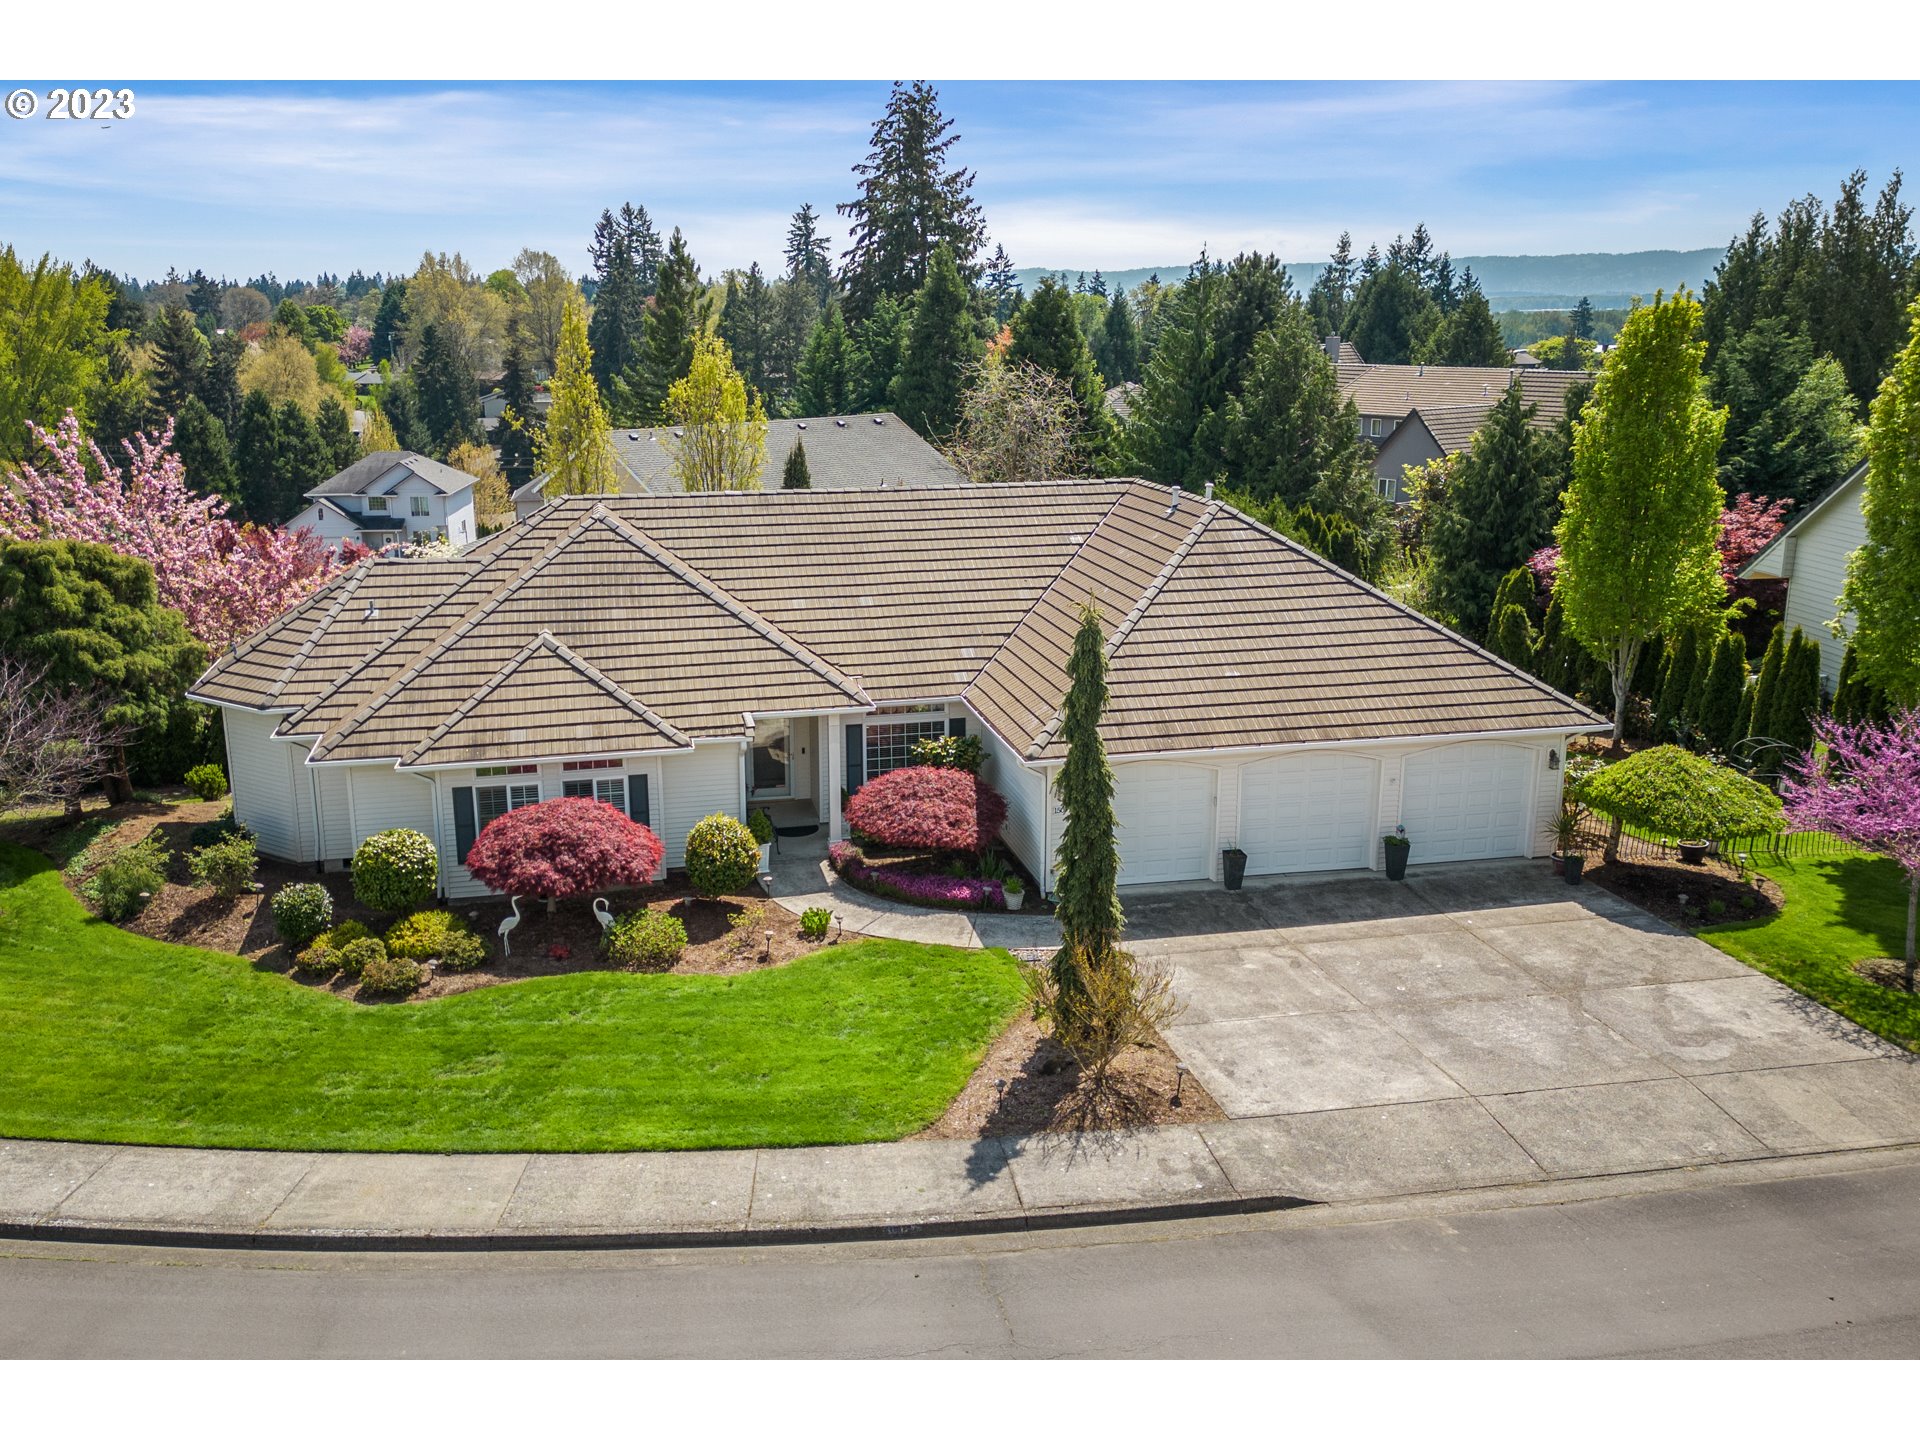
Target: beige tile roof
(629,624)
(1399,390)
(1454,426)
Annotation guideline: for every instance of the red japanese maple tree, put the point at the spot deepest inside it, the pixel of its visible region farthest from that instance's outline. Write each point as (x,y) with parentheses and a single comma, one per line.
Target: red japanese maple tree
(561,848)
(926,807)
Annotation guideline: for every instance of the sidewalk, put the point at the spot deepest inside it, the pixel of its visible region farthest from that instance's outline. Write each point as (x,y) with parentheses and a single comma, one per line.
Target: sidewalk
(802,878)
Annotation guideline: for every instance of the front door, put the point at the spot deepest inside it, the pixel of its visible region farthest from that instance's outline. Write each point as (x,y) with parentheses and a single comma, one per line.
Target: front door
(772,774)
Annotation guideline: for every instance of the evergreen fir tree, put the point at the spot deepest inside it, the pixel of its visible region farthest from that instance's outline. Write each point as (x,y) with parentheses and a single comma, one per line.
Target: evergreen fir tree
(746,324)
(1743,718)
(911,203)
(1719,707)
(179,360)
(400,403)
(941,346)
(1119,357)
(1179,393)
(1672,703)
(807,260)
(200,440)
(1046,334)
(1549,660)
(1796,700)
(1001,284)
(625,251)
(1580,320)
(1289,436)
(448,397)
(1766,689)
(220,380)
(1087,862)
(1469,335)
(1496,513)
(822,387)
(335,433)
(1332,290)
(1391,315)
(1856,698)
(513,436)
(389,327)
(680,311)
(878,343)
(794,475)
(1512,637)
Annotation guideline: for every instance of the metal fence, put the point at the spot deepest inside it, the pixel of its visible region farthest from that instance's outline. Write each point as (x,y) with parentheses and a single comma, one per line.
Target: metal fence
(1637,844)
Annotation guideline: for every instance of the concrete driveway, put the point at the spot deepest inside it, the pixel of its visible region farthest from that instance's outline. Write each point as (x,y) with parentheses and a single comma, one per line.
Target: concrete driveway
(1485,1024)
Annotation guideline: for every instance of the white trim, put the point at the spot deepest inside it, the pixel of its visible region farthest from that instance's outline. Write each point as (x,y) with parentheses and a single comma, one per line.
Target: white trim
(1425,742)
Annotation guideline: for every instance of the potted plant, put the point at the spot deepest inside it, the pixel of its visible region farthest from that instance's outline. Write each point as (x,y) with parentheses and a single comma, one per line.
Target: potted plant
(761,824)
(1015,891)
(1565,830)
(1233,866)
(1397,846)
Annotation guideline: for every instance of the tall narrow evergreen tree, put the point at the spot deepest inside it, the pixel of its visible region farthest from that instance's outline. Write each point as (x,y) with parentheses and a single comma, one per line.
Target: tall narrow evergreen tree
(1087,861)
(680,311)
(1682,660)
(1766,689)
(625,251)
(941,345)
(878,344)
(513,436)
(390,326)
(807,260)
(1332,290)
(1495,514)
(335,433)
(179,360)
(746,324)
(1001,284)
(1719,709)
(911,203)
(1796,700)
(1119,355)
(794,474)
(823,384)
(449,399)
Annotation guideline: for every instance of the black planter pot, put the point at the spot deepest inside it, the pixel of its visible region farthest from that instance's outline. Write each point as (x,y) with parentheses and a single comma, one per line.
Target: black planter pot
(1397,860)
(1574,865)
(1233,867)
(1693,852)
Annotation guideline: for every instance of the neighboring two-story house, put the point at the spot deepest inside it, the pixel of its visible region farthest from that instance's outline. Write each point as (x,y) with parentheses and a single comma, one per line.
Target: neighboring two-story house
(1811,556)
(392,497)
(1433,431)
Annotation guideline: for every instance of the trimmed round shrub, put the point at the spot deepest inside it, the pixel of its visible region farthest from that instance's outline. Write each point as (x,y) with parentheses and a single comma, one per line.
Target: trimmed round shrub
(561,848)
(209,782)
(300,912)
(462,952)
(227,865)
(815,920)
(356,955)
(346,932)
(426,935)
(1674,793)
(761,824)
(928,807)
(396,870)
(646,938)
(385,974)
(319,958)
(722,856)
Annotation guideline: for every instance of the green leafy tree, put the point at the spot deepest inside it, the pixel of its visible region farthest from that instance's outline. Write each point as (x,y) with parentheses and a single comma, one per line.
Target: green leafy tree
(91,618)
(681,311)
(794,474)
(574,449)
(941,346)
(720,433)
(53,338)
(1640,523)
(448,395)
(1496,513)
(824,368)
(912,203)
(1883,575)
(1087,861)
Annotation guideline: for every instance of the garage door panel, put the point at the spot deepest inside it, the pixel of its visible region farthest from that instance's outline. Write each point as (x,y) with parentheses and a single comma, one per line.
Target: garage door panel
(1165,817)
(1308,812)
(1468,801)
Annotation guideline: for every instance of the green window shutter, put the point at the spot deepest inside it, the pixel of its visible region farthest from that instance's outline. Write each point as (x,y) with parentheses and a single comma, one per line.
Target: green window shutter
(856,757)
(463,827)
(637,808)
(957,727)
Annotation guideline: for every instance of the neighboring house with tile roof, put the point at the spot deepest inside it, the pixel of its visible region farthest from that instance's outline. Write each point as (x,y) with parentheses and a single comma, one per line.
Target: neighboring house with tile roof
(1811,555)
(1385,395)
(681,655)
(844,452)
(1433,431)
(389,497)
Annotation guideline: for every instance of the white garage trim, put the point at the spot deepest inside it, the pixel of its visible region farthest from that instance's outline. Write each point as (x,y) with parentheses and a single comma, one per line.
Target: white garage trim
(1472,800)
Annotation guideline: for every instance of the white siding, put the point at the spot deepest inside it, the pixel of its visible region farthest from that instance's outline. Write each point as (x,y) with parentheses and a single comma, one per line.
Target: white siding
(385,799)
(707,782)
(1821,548)
(332,789)
(1025,792)
(270,788)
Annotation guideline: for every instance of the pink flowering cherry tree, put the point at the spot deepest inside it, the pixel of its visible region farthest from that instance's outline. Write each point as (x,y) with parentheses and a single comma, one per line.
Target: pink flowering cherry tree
(1866,788)
(227,578)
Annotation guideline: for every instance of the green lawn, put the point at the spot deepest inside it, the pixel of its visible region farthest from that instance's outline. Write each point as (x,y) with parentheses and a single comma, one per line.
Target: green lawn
(113,1037)
(1839,909)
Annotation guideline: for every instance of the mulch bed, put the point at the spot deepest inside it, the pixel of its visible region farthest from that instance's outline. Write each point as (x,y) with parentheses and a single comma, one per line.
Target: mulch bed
(1688,896)
(1890,973)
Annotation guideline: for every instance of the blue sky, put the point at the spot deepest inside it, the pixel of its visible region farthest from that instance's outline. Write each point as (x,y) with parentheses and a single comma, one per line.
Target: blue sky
(297,177)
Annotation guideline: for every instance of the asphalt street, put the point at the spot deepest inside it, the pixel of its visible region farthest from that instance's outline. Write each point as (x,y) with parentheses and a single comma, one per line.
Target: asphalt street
(1819,1263)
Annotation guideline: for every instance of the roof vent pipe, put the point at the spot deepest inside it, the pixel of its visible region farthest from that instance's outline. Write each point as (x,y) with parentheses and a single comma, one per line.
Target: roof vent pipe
(1209,492)
(373,611)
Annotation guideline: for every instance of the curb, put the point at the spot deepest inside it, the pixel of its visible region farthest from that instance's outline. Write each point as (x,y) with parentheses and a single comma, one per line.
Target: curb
(83,1232)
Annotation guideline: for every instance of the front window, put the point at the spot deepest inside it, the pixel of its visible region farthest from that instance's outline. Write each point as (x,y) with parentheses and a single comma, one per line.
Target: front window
(376,504)
(611,791)
(490,802)
(420,505)
(890,742)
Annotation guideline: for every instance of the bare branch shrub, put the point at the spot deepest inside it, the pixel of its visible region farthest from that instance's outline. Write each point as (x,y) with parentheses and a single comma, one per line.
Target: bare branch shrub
(54,741)
(1017,422)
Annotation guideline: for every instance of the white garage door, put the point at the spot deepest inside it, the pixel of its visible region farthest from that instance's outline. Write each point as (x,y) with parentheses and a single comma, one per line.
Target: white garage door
(1467,802)
(1308,812)
(1165,814)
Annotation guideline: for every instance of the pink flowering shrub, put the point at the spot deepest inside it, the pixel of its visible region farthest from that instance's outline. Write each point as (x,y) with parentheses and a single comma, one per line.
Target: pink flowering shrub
(1747,527)
(354,344)
(924,807)
(226,578)
(560,848)
(947,892)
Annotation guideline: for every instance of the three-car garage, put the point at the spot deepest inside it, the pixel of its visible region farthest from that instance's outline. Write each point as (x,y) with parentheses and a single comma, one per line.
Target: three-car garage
(1313,810)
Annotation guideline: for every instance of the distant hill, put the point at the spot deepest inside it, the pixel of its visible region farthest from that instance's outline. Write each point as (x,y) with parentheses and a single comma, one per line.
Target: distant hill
(1512,282)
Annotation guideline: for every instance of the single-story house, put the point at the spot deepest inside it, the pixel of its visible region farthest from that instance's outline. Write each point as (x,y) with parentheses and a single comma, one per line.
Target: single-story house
(1810,554)
(844,452)
(390,497)
(681,655)
(1385,395)
(1432,431)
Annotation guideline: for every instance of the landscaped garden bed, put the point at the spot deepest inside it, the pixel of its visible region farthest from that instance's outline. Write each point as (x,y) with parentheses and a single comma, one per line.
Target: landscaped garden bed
(928,834)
